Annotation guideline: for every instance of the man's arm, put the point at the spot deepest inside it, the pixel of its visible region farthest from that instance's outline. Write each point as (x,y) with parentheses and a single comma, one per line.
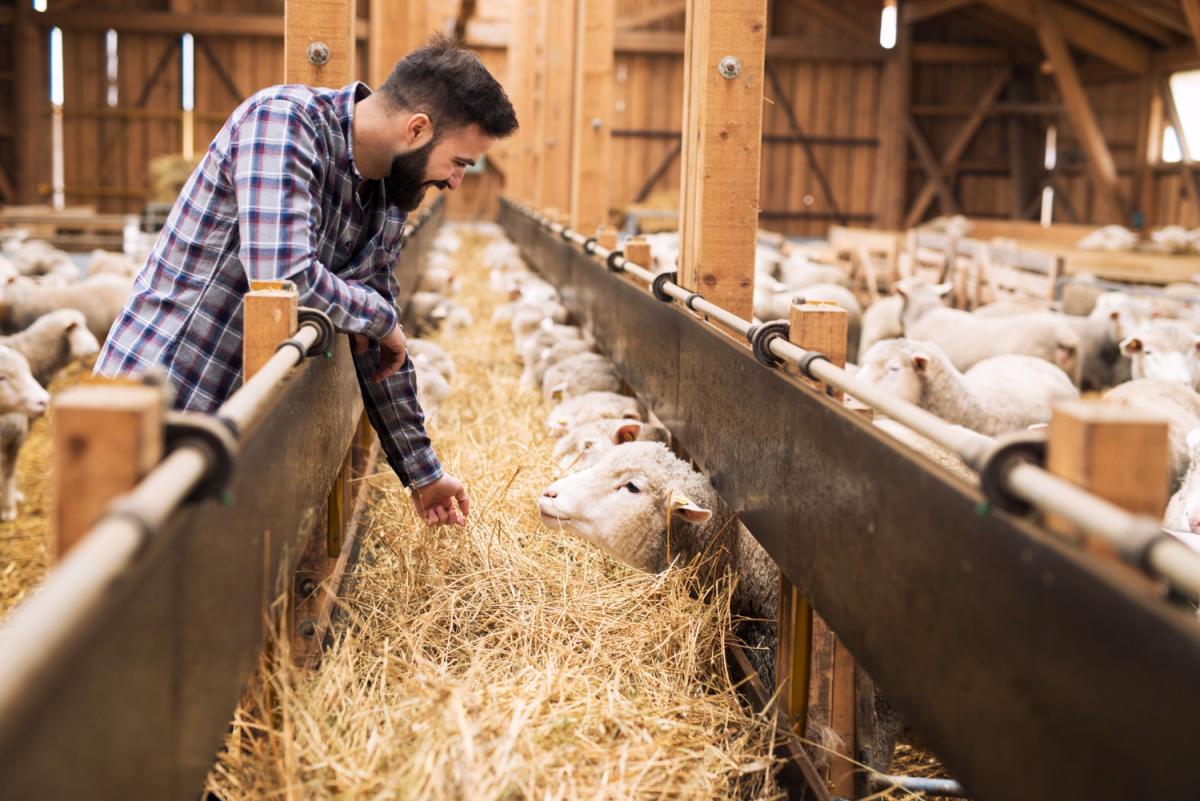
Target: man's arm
(276,160)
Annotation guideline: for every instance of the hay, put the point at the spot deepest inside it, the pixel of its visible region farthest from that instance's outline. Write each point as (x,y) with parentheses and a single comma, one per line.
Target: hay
(504,661)
(168,173)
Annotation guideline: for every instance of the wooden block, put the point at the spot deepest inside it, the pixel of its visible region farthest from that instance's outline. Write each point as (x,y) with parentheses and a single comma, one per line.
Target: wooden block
(637,250)
(269,317)
(1116,453)
(793,652)
(606,237)
(832,703)
(329,22)
(107,437)
(822,327)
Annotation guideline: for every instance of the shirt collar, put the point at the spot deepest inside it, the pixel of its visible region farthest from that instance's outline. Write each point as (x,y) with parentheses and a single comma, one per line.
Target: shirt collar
(348,95)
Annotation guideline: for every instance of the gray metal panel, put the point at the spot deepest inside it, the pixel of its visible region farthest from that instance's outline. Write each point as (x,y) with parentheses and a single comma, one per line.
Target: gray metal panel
(1036,671)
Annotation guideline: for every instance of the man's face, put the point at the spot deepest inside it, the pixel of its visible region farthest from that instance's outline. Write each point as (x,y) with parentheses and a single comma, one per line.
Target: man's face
(441,163)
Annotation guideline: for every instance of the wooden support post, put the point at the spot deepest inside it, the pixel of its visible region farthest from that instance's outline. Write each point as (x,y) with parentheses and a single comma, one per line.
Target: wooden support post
(1100,162)
(535,81)
(591,143)
(270,317)
(892,160)
(107,437)
(724,68)
(606,237)
(318,42)
(1114,452)
(517,180)
(31,100)
(792,653)
(397,26)
(821,326)
(637,250)
(558,58)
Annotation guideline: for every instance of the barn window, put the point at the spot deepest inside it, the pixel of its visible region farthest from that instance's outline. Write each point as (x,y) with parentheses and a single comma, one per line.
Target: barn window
(887,24)
(110,52)
(39,5)
(187,98)
(1185,90)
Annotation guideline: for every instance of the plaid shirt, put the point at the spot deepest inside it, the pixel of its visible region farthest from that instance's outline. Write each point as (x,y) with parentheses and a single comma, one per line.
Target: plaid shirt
(277,196)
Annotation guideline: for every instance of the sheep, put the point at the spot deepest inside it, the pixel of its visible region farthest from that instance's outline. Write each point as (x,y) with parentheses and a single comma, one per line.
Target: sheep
(547,333)
(1163,350)
(1007,308)
(1183,512)
(770,305)
(997,395)
(437,279)
(1110,238)
(546,357)
(967,339)
(54,340)
(943,457)
(429,311)
(434,354)
(21,397)
(582,446)
(578,375)
(36,257)
(1172,239)
(591,406)
(881,320)
(550,309)
(1176,403)
(100,298)
(104,262)
(799,272)
(432,386)
(955,225)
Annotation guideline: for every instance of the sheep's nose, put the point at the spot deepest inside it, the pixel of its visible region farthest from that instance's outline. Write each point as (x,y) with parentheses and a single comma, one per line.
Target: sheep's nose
(550,494)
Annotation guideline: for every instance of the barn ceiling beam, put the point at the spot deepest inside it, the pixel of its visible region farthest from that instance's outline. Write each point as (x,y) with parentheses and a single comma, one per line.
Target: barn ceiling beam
(844,21)
(916,11)
(1191,9)
(1101,166)
(1083,31)
(258,25)
(650,16)
(933,170)
(800,48)
(959,144)
(1131,17)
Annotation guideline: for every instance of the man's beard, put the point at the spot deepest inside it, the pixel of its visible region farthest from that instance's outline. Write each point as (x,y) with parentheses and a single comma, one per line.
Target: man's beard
(405,189)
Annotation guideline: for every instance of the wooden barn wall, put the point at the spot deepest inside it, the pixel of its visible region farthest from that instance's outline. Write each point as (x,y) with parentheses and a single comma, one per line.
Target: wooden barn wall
(8,102)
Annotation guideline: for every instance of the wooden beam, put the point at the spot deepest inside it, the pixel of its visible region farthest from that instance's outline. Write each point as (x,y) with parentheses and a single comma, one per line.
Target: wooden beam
(1082,30)
(591,146)
(1101,166)
(721,151)
(656,175)
(1129,16)
(933,170)
(1191,10)
(242,25)
(891,165)
(959,144)
(29,103)
(516,150)
(915,11)
(649,16)
(270,312)
(799,48)
(315,21)
(785,103)
(535,81)
(559,99)
(838,18)
(944,53)
(387,41)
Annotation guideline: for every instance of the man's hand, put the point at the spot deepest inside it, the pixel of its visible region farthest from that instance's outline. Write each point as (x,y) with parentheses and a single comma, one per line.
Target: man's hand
(393,350)
(434,502)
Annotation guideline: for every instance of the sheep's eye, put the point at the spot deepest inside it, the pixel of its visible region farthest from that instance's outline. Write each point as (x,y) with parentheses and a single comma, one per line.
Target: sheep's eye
(631,487)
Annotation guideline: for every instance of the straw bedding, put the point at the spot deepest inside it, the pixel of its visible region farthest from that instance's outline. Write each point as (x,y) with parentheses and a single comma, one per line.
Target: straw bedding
(502,661)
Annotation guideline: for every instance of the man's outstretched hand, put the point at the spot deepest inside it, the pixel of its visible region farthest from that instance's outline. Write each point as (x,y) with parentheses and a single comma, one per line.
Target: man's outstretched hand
(393,350)
(435,502)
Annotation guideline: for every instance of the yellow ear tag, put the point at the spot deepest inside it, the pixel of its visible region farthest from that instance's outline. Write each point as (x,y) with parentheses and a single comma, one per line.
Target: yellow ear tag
(680,501)
(562,421)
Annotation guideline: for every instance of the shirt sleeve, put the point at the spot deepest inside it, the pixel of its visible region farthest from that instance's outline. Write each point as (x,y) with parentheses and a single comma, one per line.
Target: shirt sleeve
(276,160)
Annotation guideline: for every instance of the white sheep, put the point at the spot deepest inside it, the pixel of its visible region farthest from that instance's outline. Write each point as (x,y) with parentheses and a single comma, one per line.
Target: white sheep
(967,339)
(54,341)
(582,446)
(21,397)
(941,456)
(798,272)
(548,309)
(1164,350)
(997,395)
(1183,512)
(578,375)
(955,225)
(1110,237)
(437,279)
(548,355)
(547,333)
(590,406)
(105,262)
(434,355)
(429,311)
(100,298)
(1176,403)
(432,386)
(881,320)
(36,257)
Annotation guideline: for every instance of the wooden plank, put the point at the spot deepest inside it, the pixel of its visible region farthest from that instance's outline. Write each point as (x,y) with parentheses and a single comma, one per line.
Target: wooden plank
(270,314)
(556,131)
(798,48)
(723,139)
(28,103)
(1103,171)
(309,21)
(649,16)
(1129,16)
(933,170)
(959,144)
(106,439)
(153,22)
(1191,10)
(944,53)
(915,11)
(841,19)
(591,145)
(891,164)
(513,150)
(387,42)
(1083,31)
(784,103)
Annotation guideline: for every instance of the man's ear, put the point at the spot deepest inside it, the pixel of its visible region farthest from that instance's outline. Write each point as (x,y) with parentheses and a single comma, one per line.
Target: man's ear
(419,128)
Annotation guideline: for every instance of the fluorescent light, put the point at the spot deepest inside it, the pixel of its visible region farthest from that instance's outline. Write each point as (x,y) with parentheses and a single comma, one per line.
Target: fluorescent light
(1051,157)
(887,25)
(39,5)
(188,84)
(110,52)
(1047,206)
(56,67)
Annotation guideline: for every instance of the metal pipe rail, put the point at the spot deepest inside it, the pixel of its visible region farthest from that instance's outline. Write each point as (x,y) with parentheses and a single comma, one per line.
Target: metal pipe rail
(1137,539)
(39,633)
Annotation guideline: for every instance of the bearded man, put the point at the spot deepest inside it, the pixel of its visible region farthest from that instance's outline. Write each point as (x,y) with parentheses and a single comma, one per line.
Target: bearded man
(313,186)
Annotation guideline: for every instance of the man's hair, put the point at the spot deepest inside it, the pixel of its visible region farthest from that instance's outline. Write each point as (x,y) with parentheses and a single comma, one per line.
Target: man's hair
(452,86)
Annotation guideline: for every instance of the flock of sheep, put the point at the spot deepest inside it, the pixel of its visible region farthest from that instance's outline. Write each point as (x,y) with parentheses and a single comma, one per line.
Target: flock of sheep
(53,313)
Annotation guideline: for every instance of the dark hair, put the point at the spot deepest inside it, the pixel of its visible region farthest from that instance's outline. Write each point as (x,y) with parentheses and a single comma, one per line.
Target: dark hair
(452,86)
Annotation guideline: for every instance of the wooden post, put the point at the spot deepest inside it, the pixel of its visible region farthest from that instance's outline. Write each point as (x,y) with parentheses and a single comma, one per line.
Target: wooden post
(270,317)
(397,26)
(606,237)
(820,326)
(722,136)
(1113,452)
(792,653)
(1100,162)
(107,437)
(535,81)
(591,142)
(316,30)
(637,250)
(31,100)
(554,134)
(517,179)
(892,159)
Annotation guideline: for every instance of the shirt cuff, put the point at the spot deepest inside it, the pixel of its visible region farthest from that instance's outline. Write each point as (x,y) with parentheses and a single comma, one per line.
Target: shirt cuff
(383,320)
(422,467)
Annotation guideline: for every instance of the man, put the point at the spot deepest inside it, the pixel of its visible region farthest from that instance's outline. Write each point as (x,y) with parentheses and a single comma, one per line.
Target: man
(313,186)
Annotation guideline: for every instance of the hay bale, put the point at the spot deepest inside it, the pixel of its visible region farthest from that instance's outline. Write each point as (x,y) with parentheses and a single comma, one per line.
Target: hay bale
(168,174)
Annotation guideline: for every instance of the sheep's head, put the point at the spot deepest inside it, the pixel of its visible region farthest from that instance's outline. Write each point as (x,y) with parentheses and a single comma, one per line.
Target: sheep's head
(626,503)
(81,342)
(1163,352)
(591,406)
(19,392)
(899,366)
(1191,507)
(585,445)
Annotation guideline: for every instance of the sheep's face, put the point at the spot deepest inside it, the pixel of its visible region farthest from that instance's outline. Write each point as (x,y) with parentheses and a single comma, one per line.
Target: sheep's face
(584,446)
(896,368)
(568,415)
(621,508)
(1152,359)
(19,392)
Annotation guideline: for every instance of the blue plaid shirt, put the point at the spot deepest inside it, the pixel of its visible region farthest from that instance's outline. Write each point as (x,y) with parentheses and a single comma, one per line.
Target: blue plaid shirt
(277,196)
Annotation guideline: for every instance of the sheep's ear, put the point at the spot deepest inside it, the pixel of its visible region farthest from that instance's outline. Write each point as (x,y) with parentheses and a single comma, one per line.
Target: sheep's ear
(71,326)
(920,361)
(683,507)
(627,433)
(901,290)
(1196,342)
(943,289)
(1193,439)
(558,390)
(1114,315)
(1131,346)
(439,313)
